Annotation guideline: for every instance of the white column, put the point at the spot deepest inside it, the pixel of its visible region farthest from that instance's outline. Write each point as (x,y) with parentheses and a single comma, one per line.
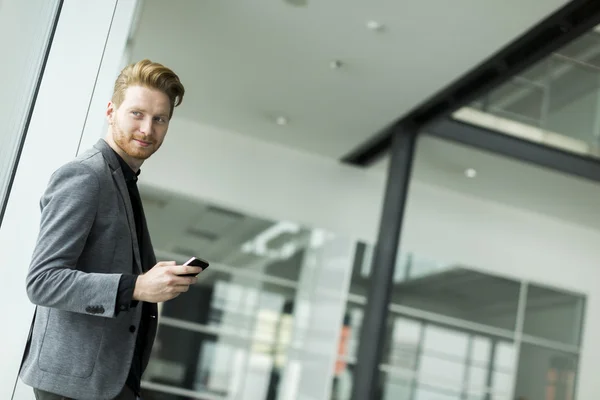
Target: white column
(52,139)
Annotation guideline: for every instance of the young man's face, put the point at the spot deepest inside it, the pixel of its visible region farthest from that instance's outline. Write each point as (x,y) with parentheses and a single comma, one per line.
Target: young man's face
(140,124)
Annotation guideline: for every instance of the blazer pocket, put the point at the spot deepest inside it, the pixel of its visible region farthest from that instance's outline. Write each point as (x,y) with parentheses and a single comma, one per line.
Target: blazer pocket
(71,344)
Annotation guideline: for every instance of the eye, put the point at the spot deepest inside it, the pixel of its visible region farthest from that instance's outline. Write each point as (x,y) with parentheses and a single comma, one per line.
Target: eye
(136,113)
(160,119)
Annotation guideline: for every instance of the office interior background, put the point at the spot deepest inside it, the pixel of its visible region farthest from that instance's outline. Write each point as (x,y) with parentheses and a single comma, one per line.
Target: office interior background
(413,180)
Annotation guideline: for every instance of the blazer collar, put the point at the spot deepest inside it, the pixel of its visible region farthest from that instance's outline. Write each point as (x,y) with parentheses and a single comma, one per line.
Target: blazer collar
(115,161)
(108,153)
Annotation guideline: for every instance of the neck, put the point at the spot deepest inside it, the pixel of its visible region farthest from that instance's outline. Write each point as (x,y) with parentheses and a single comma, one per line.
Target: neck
(134,163)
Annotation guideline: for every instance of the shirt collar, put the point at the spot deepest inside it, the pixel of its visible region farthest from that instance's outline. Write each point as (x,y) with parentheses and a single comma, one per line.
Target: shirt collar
(128,173)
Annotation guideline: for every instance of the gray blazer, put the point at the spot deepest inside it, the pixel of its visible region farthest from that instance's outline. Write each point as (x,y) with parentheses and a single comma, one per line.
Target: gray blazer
(78,347)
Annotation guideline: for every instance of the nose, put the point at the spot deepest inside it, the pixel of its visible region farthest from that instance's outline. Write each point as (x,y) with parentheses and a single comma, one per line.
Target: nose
(146,126)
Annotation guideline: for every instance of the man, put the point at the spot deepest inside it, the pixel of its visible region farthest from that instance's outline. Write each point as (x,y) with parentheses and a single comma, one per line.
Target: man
(93,273)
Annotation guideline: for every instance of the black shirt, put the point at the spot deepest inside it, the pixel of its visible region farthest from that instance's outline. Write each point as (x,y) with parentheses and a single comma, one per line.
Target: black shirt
(127,282)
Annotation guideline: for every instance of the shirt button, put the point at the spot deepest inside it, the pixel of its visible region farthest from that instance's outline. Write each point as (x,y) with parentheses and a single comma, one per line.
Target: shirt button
(132,329)
(122,308)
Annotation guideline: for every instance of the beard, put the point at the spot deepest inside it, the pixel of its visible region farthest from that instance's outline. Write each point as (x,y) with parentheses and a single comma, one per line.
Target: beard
(126,142)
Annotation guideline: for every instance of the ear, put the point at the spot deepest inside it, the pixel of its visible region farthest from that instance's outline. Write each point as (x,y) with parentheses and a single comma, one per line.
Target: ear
(110,111)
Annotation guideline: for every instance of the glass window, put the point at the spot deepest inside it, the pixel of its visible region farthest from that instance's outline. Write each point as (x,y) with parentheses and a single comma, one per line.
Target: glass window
(264,318)
(560,94)
(553,314)
(545,374)
(445,289)
(427,355)
(19,77)
(397,387)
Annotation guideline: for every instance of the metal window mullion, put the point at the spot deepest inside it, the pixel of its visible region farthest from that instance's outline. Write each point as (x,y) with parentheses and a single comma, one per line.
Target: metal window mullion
(519,333)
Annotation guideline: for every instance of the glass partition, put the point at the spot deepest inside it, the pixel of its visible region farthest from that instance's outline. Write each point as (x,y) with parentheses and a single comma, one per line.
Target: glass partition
(263,321)
(553,314)
(456,333)
(556,102)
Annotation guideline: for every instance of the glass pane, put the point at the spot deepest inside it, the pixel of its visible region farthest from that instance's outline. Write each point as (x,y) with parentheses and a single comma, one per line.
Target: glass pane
(553,315)
(445,361)
(18,78)
(397,388)
(560,94)
(425,393)
(443,288)
(263,320)
(158,395)
(527,109)
(546,374)
(204,348)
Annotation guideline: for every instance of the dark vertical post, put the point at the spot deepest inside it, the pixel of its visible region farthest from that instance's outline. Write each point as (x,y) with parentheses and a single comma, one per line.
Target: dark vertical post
(490,369)
(366,372)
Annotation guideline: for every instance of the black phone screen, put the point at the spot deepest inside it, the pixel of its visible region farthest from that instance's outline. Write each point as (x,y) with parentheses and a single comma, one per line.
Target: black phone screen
(196,262)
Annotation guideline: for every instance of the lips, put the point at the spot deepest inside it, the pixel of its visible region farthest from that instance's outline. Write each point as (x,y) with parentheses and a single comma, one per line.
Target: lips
(142,142)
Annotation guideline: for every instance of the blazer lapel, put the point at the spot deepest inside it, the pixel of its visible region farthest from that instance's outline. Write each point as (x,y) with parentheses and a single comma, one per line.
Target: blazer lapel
(117,175)
(120,181)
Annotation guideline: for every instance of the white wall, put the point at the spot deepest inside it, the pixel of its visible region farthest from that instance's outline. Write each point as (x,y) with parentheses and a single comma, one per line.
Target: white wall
(281,183)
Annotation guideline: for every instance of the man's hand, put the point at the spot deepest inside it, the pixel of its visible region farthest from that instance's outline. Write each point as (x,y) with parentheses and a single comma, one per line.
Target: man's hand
(163,283)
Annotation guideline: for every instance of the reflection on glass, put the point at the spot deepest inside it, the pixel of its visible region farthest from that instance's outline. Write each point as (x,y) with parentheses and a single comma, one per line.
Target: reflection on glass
(406,335)
(442,356)
(193,354)
(152,395)
(445,289)
(426,359)
(545,374)
(430,356)
(560,94)
(553,315)
(397,388)
(261,319)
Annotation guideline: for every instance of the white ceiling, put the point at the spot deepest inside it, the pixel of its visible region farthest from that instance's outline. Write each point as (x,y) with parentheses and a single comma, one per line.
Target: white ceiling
(244,63)
(505,180)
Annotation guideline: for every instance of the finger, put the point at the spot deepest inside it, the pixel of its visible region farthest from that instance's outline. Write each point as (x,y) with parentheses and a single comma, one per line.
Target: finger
(179,289)
(186,269)
(183,280)
(166,264)
(173,295)
(182,288)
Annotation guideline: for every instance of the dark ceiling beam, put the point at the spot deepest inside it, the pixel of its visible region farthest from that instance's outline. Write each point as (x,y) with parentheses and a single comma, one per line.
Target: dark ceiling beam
(565,25)
(516,148)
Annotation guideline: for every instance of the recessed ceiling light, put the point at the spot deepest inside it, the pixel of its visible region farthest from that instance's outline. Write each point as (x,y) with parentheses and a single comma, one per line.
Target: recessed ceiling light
(335,64)
(375,26)
(297,3)
(470,173)
(281,121)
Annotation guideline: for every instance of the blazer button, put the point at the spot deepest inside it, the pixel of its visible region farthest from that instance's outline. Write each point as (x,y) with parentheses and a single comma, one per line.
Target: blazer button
(132,329)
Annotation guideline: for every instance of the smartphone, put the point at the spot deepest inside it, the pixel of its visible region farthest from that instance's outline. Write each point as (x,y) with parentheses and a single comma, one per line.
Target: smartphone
(196,262)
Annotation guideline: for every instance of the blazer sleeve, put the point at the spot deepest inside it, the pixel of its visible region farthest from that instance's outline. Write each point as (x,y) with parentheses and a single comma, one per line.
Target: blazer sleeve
(69,206)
